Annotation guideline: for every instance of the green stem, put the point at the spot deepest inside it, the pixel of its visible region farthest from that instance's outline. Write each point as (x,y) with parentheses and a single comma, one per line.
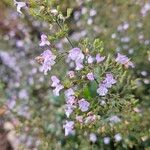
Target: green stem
(66,36)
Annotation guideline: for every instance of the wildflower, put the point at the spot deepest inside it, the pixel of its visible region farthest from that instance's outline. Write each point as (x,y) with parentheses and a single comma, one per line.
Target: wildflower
(90,60)
(118,137)
(23,94)
(19,5)
(71,74)
(71,100)
(79,119)
(69,128)
(114,119)
(90,76)
(109,80)
(83,105)
(91,118)
(44,40)
(57,89)
(77,56)
(54,12)
(93,137)
(69,93)
(102,103)
(102,90)
(145,9)
(122,59)
(48,61)
(68,110)
(99,58)
(55,81)
(106,140)
(57,85)
(78,64)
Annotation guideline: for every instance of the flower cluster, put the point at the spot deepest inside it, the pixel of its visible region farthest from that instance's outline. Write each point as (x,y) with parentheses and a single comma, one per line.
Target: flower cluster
(56,84)
(47,58)
(44,40)
(73,102)
(48,61)
(77,56)
(106,83)
(124,60)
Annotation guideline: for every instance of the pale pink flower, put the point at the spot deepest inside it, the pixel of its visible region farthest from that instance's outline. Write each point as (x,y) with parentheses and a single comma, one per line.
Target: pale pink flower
(90,76)
(55,81)
(90,119)
(44,40)
(79,119)
(71,74)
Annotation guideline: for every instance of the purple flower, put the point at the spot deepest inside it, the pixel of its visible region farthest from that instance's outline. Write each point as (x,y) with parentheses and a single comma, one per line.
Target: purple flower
(122,59)
(114,119)
(57,85)
(69,128)
(90,119)
(102,90)
(83,105)
(44,40)
(78,64)
(90,76)
(79,119)
(106,140)
(23,94)
(118,137)
(11,103)
(99,58)
(49,61)
(90,60)
(68,110)
(109,80)
(55,81)
(19,5)
(71,100)
(71,74)
(57,89)
(69,93)
(77,56)
(93,137)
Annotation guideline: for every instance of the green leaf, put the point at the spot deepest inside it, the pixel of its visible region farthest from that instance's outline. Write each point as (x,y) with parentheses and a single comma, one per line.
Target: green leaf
(69,11)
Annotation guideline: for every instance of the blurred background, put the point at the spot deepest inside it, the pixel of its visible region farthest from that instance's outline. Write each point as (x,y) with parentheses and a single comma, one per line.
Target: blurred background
(29,116)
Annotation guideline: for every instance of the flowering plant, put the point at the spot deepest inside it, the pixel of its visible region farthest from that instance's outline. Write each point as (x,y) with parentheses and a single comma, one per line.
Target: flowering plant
(96,87)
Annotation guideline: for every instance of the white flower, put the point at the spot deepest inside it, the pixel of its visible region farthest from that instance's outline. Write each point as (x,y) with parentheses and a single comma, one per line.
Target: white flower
(19,5)
(118,137)
(93,137)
